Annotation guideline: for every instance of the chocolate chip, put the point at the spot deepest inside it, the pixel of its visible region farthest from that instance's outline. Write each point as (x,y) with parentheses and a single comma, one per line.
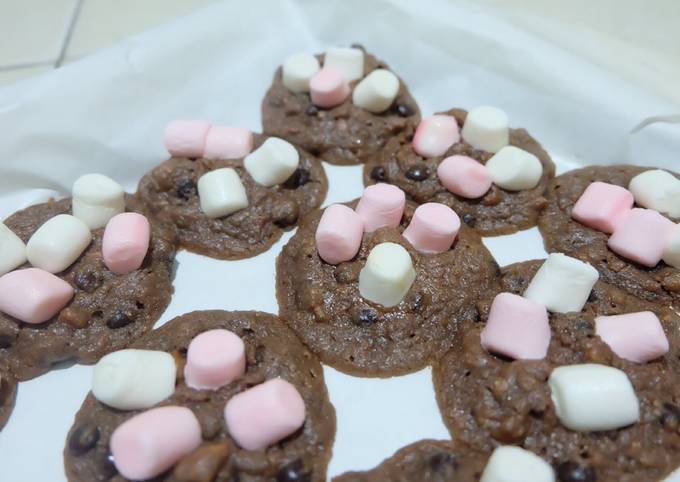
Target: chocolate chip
(6,341)
(74,316)
(417,173)
(299,178)
(670,417)
(119,320)
(592,297)
(203,464)
(442,461)
(378,174)
(405,110)
(469,219)
(367,316)
(186,188)
(87,281)
(572,472)
(312,110)
(293,472)
(83,439)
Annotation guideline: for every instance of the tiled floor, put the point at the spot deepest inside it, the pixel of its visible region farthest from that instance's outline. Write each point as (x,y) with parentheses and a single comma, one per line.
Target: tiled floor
(39,35)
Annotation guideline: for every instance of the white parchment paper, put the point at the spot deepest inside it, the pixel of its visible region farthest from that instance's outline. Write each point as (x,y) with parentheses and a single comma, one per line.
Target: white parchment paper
(106,114)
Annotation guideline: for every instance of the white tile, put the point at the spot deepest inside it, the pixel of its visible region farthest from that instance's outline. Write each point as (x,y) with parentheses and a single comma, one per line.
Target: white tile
(33,31)
(102,23)
(8,77)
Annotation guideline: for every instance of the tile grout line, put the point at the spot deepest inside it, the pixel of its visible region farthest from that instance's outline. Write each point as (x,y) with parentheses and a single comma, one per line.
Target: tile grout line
(26,65)
(69,34)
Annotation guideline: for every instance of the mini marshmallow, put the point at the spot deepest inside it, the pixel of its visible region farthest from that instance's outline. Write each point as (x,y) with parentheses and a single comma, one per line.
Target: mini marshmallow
(338,234)
(96,199)
(486,128)
(517,327)
(671,251)
(602,206)
(12,250)
(515,169)
(435,134)
(387,275)
(562,284)
(376,91)
(225,142)
(638,337)
(641,236)
(464,176)
(657,189)
(186,138)
(328,88)
(273,162)
(150,443)
(380,206)
(592,397)
(297,70)
(58,243)
(264,414)
(125,242)
(514,464)
(221,193)
(215,358)
(134,379)
(32,295)
(433,228)
(349,61)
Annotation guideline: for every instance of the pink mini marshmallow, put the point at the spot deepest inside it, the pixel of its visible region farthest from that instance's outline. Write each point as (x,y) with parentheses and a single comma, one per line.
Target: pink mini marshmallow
(641,236)
(433,228)
(33,295)
(215,358)
(186,138)
(380,206)
(148,444)
(435,134)
(328,87)
(464,176)
(264,414)
(339,234)
(224,142)
(638,337)
(517,327)
(125,242)
(602,206)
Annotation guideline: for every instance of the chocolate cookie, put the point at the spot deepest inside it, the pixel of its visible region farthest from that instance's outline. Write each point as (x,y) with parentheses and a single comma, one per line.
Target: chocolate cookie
(488,400)
(8,394)
(425,461)
(169,192)
(345,134)
(321,302)
(563,234)
(497,212)
(272,350)
(108,310)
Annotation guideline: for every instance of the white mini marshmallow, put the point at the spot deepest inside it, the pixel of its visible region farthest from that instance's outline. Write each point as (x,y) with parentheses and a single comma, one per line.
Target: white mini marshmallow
(592,397)
(273,162)
(12,250)
(297,70)
(515,169)
(376,91)
(562,284)
(58,243)
(134,379)
(387,275)
(486,128)
(514,464)
(671,252)
(658,190)
(96,199)
(221,193)
(349,61)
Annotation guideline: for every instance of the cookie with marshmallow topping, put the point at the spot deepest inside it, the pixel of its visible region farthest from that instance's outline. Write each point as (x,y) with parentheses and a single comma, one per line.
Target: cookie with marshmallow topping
(378,286)
(488,398)
(615,219)
(492,175)
(342,105)
(110,285)
(232,207)
(193,440)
